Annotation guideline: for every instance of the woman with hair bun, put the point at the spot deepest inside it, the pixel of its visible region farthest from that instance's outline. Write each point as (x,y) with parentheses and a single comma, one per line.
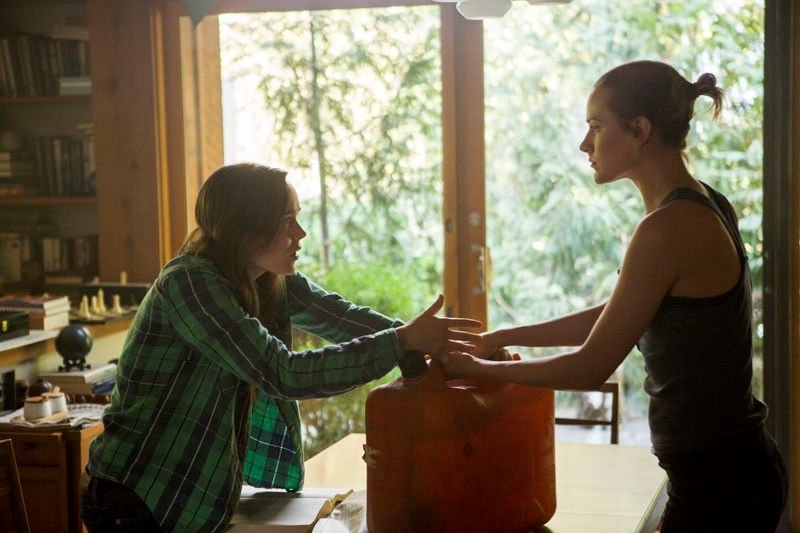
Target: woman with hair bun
(683,297)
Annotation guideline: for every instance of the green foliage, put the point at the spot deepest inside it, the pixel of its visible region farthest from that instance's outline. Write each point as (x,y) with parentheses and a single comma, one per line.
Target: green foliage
(394,292)
(358,117)
(355,112)
(557,238)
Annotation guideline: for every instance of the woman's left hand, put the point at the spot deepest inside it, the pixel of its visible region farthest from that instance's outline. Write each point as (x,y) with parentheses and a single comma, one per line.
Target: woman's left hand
(459,365)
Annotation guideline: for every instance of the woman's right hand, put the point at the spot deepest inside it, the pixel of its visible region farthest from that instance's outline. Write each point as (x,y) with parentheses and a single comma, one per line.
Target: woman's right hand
(485,348)
(502,354)
(433,335)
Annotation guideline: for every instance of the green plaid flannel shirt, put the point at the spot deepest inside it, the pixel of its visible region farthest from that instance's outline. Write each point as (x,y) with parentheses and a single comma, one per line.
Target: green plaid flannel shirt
(182,429)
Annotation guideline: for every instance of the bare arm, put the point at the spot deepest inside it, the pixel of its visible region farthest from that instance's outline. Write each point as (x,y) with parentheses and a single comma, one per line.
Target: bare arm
(652,264)
(568,330)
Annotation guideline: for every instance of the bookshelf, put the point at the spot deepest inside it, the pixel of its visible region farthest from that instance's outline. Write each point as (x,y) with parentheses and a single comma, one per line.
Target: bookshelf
(48,219)
(156,112)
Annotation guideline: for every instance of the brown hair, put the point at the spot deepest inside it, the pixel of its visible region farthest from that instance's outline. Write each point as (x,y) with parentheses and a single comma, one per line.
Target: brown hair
(657,91)
(238,210)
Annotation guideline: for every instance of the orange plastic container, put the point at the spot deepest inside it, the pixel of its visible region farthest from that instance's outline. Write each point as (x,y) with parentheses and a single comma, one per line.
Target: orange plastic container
(465,456)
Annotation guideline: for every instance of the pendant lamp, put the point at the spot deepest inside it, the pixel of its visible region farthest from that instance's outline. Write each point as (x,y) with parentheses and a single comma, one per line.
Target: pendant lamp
(492,9)
(483,9)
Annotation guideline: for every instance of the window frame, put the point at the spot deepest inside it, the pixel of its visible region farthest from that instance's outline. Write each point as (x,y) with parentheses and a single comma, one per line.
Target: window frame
(464,177)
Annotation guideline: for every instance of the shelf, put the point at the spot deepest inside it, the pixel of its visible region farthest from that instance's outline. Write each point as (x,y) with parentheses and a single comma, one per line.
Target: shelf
(39,2)
(55,99)
(16,351)
(35,336)
(48,200)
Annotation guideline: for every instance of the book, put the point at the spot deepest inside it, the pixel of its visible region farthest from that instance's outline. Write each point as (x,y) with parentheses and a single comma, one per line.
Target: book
(10,258)
(70,31)
(274,510)
(17,169)
(44,302)
(74,85)
(53,321)
(15,155)
(39,313)
(94,375)
(15,189)
(103,387)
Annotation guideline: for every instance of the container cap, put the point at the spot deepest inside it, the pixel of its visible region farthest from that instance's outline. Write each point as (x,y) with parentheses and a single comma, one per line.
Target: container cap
(412,364)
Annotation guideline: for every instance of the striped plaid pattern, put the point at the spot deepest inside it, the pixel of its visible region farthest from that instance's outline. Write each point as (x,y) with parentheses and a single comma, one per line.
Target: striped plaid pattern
(178,430)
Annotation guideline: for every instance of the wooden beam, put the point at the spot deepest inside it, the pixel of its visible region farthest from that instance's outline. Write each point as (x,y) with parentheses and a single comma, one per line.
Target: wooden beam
(254,6)
(194,112)
(794,313)
(465,276)
(780,227)
(128,138)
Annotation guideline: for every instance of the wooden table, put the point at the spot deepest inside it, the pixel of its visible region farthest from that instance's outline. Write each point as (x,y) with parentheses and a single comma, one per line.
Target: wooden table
(599,487)
(50,463)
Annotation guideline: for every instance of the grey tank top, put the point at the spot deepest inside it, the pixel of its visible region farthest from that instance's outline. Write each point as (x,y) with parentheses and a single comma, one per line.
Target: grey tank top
(698,356)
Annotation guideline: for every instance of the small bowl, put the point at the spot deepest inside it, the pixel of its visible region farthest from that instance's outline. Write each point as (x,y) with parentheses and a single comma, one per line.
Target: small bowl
(36,407)
(57,400)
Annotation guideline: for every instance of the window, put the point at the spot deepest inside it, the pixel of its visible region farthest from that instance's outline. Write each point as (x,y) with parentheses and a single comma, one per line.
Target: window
(557,239)
(356,116)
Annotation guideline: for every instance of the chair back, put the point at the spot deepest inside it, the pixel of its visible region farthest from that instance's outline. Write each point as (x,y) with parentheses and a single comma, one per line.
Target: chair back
(13,517)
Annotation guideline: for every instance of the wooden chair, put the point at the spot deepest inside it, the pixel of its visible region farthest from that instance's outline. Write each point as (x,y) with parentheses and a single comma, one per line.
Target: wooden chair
(13,517)
(611,386)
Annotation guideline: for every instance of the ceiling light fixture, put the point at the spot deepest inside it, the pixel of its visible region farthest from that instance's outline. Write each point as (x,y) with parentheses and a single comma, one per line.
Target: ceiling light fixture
(493,9)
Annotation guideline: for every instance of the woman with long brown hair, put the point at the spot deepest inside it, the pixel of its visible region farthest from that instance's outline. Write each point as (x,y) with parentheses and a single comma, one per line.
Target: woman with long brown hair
(207,380)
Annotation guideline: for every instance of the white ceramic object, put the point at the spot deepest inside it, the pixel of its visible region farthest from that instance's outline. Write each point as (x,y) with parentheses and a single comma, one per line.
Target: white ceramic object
(57,400)
(36,407)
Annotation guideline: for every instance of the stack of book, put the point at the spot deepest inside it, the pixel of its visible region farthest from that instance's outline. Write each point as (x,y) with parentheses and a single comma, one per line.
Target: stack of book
(17,171)
(61,165)
(91,381)
(44,312)
(33,65)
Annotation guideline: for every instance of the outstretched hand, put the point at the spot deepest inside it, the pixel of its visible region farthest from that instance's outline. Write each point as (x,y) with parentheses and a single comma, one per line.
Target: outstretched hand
(433,335)
(460,365)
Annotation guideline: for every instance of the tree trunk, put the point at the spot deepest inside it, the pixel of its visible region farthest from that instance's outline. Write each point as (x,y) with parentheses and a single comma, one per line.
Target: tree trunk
(319,146)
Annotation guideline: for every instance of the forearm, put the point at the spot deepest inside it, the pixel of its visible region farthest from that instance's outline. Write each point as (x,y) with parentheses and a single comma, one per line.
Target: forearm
(568,330)
(328,315)
(333,369)
(210,320)
(566,371)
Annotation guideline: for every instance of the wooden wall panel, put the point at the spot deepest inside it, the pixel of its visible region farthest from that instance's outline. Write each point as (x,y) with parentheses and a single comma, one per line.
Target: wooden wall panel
(128,138)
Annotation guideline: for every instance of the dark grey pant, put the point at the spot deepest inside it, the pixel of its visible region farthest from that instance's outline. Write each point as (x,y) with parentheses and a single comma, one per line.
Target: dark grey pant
(739,484)
(110,506)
